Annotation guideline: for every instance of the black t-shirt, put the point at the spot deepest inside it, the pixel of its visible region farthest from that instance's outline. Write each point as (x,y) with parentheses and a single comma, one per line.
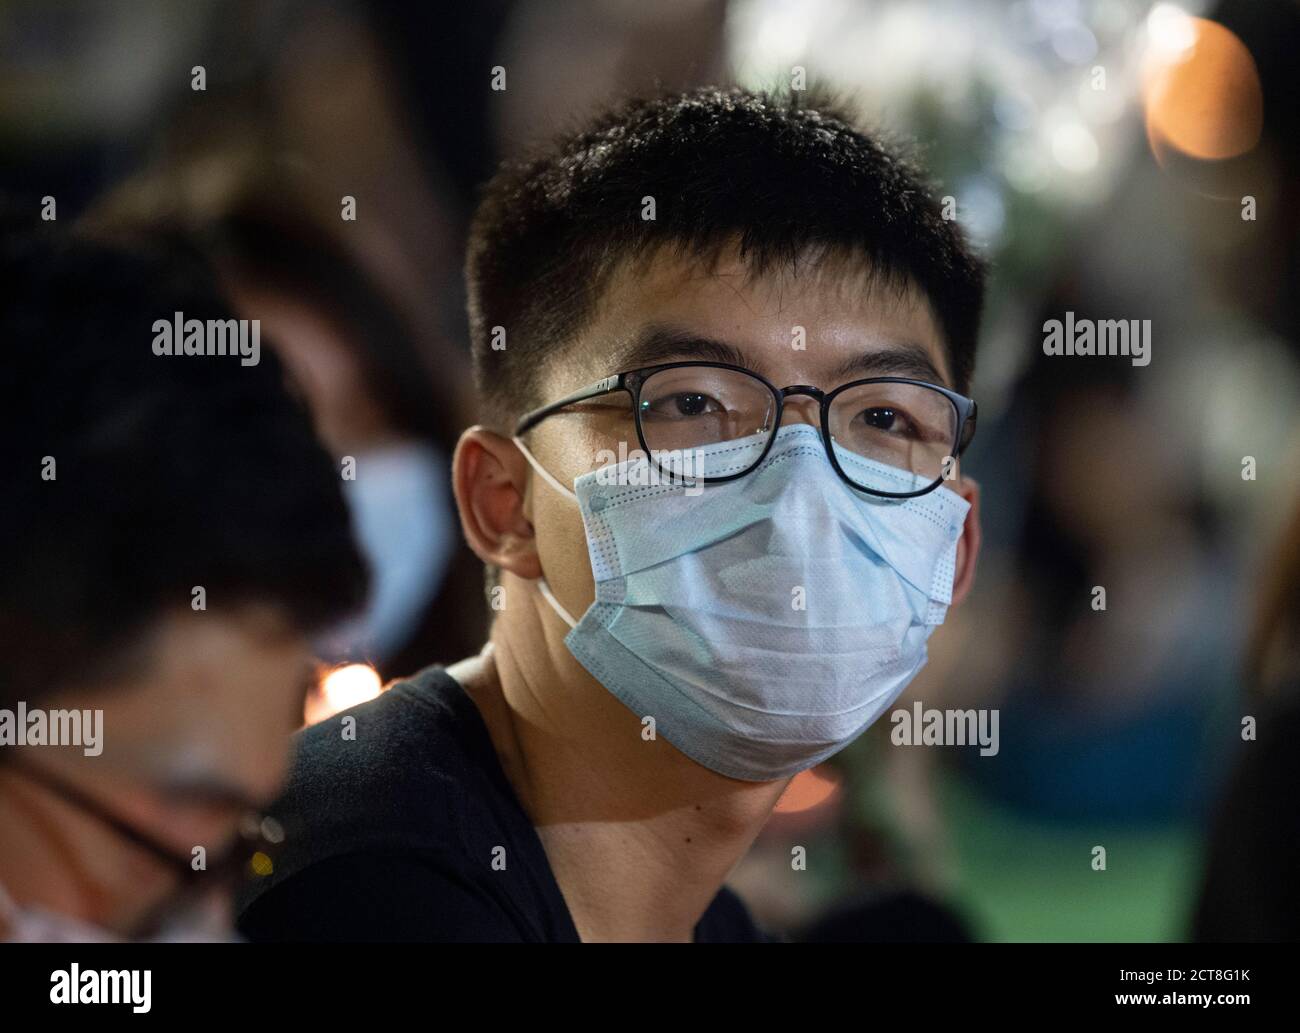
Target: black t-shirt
(392,835)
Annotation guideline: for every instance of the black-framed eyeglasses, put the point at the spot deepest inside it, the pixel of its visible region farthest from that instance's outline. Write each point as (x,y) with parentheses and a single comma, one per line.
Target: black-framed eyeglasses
(888,436)
(257,841)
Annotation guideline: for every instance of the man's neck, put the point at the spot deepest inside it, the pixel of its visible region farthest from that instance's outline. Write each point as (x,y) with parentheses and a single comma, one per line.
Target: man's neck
(639,837)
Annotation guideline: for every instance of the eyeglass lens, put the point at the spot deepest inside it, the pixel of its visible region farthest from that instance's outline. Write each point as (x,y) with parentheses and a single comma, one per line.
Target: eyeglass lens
(888,437)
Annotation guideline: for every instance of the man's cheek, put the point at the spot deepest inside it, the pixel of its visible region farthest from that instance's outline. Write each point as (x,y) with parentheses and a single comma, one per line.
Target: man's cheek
(562,548)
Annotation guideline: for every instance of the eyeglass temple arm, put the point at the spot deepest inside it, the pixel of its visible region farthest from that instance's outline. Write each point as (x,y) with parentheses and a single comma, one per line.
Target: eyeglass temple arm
(968,429)
(601,387)
(62,787)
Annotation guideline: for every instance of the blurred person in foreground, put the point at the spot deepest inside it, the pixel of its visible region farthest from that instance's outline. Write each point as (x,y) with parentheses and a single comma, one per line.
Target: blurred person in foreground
(175,532)
(721,341)
(1249,890)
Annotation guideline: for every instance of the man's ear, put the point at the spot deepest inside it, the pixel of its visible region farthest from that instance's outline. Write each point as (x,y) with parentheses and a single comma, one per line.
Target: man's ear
(968,545)
(490,480)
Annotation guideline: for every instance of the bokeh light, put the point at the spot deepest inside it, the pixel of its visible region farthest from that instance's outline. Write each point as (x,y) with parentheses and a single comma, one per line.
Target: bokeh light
(1201,88)
(343,687)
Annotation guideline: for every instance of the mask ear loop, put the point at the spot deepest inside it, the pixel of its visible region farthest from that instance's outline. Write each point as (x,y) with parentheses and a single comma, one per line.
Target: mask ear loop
(542,586)
(542,471)
(549,596)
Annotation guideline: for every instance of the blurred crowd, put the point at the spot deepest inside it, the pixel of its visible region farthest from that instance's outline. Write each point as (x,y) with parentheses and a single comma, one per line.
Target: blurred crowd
(327,169)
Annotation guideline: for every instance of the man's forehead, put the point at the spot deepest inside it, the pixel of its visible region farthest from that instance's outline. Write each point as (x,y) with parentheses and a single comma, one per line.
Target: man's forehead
(821,322)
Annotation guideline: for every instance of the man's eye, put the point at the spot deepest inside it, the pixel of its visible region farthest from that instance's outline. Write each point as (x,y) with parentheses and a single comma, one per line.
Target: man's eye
(888,420)
(881,419)
(683,404)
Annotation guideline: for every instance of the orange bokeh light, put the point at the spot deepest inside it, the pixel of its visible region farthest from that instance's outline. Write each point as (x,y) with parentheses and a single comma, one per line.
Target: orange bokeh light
(807,790)
(342,687)
(1201,88)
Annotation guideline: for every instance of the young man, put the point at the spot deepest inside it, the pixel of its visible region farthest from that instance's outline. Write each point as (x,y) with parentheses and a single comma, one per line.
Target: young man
(709,576)
(172,533)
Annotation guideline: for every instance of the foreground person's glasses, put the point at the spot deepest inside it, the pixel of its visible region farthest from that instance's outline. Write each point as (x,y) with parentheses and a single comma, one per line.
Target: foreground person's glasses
(908,431)
(256,842)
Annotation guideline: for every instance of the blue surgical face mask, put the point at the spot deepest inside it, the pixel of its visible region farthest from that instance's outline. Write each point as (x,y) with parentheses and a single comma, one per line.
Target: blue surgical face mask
(401,512)
(764,622)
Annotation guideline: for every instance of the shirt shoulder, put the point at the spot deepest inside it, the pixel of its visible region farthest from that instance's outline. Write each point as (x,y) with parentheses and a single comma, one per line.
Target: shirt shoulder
(382,896)
(368,775)
(407,784)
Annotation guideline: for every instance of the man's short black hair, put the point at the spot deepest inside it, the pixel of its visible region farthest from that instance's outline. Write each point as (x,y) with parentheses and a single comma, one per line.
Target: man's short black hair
(170,472)
(780,175)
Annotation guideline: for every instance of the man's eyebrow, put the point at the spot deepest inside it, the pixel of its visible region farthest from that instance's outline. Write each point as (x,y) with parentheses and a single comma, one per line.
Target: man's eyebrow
(659,342)
(904,359)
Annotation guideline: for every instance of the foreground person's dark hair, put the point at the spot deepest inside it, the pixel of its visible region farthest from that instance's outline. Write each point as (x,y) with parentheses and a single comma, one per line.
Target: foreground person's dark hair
(784,177)
(171,472)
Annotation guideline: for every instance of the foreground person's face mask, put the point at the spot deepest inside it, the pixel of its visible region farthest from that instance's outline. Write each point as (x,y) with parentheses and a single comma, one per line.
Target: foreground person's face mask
(765,622)
(206,922)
